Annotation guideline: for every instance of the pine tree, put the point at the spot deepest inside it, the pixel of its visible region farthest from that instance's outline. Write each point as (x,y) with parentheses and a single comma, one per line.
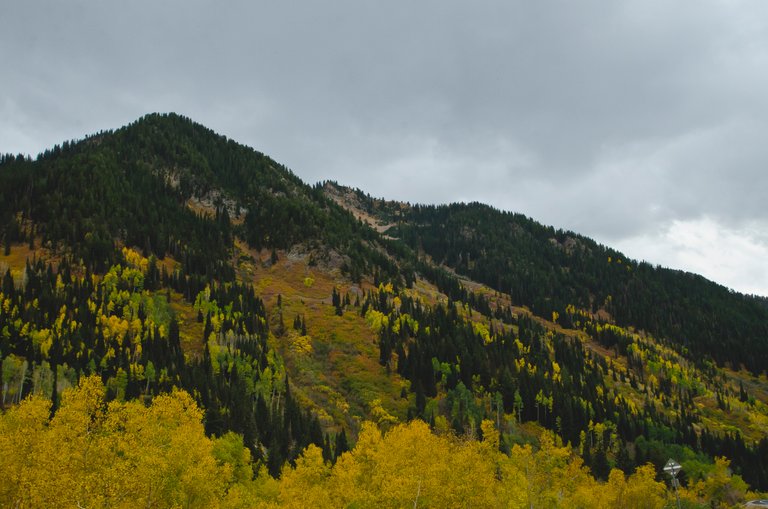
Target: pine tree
(342,445)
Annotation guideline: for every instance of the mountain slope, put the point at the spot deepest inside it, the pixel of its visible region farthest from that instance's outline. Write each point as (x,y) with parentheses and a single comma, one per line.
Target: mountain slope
(163,255)
(139,186)
(550,269)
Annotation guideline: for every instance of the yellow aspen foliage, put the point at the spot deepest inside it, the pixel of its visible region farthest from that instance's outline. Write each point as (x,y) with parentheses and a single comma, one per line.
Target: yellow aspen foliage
(42,340)
(125,455)
(719,487)
(490,435)
(599,391)
(21,432)
(171,458)
(643,491)
(482,330)
(229,449)
(378,412)
(121,455)
(307,485)
(260,493)
(441,425)
(135,259)
(556,377)
(376,319)
(640,490)
(301,344)
(114,327)
(396,324)
(135,327)
(410,466)
(513,491)
(545,482)
(354,469)
(405,318)
(72,452)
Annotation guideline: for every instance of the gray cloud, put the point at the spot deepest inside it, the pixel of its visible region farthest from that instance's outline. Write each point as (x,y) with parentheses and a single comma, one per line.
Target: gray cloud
(614,119)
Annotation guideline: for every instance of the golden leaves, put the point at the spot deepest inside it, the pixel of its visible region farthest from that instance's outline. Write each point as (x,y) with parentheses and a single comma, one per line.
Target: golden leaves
(118,455)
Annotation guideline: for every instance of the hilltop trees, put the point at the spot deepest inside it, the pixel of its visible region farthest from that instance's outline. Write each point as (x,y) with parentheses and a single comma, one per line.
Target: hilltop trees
(549,269)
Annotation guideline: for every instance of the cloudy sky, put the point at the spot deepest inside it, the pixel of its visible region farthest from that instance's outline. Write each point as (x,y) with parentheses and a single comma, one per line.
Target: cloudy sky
(643,124)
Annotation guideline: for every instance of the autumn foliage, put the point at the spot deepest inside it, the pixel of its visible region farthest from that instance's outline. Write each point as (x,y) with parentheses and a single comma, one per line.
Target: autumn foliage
(125,454)
(147,279)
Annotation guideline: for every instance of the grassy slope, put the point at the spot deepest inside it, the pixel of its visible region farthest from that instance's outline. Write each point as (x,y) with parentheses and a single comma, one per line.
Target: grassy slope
(335,369)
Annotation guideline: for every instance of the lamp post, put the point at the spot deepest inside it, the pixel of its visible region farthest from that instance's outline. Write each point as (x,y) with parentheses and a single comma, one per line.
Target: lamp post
(673,468)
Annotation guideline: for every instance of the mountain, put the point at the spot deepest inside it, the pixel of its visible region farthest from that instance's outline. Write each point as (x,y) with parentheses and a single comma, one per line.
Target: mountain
(162,255)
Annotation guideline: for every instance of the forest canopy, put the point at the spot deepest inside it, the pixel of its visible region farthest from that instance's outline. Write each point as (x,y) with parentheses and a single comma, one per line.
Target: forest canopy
(127,454)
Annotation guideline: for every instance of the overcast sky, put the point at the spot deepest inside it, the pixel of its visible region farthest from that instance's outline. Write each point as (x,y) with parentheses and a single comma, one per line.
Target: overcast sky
(643,124)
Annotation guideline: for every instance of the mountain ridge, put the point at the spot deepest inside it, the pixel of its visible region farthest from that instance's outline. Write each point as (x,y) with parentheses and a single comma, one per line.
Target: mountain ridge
(460,258)
(451,313)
